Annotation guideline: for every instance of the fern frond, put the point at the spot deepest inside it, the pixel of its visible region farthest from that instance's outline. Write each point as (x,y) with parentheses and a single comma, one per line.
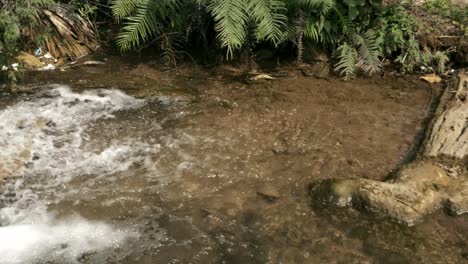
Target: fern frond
(124,8)
(313,29)
(368,51)
(347,58)
(138,28)
(231,19)
(270,19)
(323,6)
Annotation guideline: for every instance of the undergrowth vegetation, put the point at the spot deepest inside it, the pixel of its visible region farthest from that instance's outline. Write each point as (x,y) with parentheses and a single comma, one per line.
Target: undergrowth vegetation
(360,35)
(342,27)
(18,23)
(398,31)
(445,8)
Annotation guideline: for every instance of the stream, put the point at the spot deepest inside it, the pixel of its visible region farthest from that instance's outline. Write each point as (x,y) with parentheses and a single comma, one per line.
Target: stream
(99,176)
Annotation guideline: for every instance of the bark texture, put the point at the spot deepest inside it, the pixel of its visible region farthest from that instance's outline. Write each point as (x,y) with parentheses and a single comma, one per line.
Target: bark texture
(449,136)
(300,35)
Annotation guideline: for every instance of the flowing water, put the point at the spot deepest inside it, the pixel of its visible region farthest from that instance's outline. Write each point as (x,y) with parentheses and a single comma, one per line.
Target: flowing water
(84,174)
(101,177)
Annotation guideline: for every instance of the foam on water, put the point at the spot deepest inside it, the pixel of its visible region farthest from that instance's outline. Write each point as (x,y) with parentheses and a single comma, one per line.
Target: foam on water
(51,239)
(45,135)
(43,139)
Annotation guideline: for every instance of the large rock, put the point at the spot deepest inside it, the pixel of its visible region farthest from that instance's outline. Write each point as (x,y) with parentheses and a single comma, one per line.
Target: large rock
(419,189)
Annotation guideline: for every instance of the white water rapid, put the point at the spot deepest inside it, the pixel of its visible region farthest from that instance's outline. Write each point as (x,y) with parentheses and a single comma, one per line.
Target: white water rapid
(42,146)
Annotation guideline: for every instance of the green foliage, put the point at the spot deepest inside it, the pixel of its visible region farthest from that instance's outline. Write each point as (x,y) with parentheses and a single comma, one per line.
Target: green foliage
(440,60)
(269,18)
(234,18)
(86,8)
(146,19)
(358,32)
(396,29)
(231,19)
(410,55)
(446,9)
(341,26)
(347,60)
(312,18)
(159,21)
(415,57)
(17,18)
(140,25)
(238,22)
(359,50)
(368,51)
(122,9)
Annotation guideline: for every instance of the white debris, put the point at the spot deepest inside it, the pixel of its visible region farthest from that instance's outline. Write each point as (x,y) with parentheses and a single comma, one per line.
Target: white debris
(48,56)
(48,67)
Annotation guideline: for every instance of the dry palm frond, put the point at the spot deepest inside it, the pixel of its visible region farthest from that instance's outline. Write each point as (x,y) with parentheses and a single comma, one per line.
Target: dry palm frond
(71,35)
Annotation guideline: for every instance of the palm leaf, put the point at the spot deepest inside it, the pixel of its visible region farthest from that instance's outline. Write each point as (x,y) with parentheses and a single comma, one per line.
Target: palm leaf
(231,19)
(124,8)
(138,28)
(270,19)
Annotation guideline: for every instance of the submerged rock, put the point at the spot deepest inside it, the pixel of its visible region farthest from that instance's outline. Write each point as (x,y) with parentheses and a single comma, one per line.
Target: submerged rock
(268,191)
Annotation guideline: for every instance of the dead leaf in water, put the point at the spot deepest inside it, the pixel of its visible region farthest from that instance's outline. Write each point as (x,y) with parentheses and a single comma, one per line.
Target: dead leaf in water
(262,77)
(431,78)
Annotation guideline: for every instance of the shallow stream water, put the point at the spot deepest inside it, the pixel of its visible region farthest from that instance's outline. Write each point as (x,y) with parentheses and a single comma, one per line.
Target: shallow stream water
(98,176)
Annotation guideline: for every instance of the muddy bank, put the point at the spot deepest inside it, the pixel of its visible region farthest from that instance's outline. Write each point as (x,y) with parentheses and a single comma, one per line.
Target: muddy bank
(229,181)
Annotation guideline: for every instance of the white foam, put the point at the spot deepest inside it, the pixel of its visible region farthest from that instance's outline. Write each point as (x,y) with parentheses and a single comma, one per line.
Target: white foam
(63,240)
(50,131)
(42,139)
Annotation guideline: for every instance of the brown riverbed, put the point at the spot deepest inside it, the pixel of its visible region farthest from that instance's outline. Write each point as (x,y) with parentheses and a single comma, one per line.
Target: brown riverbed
(230,184)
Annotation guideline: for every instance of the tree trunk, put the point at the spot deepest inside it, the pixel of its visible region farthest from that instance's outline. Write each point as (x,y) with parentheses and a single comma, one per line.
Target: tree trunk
(300,35)
(438,177)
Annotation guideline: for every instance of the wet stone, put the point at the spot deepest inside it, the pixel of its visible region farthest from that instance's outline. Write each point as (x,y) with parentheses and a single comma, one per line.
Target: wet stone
(279,148)
(268,191)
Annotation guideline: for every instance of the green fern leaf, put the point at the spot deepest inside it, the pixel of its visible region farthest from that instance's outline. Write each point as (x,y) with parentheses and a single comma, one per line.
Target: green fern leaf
(270,19)
(347,59)
(124,8)
(231,19)
(368,51)
(138,28)
(324,6)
